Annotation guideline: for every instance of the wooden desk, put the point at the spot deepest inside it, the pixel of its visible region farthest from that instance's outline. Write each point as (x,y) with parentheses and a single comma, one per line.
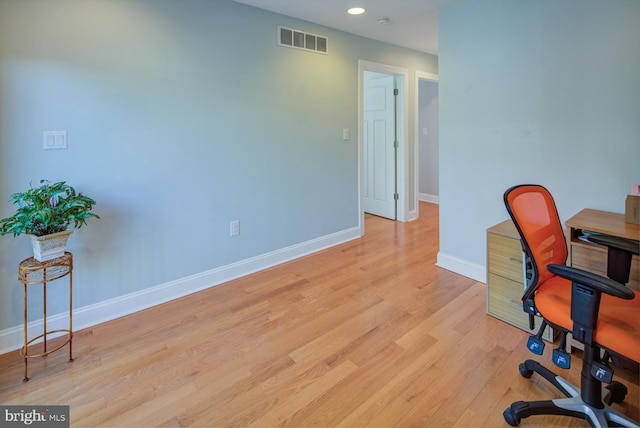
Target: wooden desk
(592,257)
(505,277)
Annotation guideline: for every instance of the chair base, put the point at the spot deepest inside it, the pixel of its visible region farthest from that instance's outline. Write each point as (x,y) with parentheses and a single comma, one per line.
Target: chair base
(572,406)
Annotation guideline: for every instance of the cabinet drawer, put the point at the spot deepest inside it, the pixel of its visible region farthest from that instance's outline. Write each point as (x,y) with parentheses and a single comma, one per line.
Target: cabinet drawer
(591,257)
(594,259)
(504,302)
(505,257)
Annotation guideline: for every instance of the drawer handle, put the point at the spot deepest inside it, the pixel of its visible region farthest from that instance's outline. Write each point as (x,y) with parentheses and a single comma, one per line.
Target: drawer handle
(518,261)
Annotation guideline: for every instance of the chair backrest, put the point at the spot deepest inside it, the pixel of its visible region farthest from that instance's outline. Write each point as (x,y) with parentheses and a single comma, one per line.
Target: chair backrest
(534,214)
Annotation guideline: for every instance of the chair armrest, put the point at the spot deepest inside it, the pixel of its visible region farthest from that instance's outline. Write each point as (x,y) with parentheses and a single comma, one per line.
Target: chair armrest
(592,280)
(625,244)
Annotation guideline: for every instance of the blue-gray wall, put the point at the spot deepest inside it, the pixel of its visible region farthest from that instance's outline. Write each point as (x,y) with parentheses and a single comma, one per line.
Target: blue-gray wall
(182,115)
(544,91)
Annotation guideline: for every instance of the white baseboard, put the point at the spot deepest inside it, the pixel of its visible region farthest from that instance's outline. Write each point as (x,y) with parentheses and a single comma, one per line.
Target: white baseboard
(425,197)
(462,267)
(12,338)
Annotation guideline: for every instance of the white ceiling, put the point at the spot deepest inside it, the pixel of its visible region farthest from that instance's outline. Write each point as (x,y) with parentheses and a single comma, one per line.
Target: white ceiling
(412,23)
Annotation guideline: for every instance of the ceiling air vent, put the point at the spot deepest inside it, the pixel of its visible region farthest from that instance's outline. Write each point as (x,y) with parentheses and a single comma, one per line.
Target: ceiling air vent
(297,39)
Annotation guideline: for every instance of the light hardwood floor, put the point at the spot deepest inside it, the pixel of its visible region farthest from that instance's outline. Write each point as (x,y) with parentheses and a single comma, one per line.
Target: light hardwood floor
(369,333)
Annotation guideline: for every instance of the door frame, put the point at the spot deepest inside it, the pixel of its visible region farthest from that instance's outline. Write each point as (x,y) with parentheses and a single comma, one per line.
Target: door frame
(403,127)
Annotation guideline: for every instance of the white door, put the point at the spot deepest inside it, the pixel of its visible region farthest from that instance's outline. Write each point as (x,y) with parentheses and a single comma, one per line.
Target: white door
(379,148)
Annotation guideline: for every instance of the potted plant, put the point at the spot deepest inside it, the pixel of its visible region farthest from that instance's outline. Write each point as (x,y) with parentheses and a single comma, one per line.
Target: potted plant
(44,213)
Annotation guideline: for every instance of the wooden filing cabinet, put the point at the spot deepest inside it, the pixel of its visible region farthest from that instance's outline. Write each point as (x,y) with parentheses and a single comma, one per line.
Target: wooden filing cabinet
(505,278)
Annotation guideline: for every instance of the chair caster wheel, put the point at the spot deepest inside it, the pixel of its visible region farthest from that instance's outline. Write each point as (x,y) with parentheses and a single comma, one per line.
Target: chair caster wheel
(525,372)
(510,417)
(617,392)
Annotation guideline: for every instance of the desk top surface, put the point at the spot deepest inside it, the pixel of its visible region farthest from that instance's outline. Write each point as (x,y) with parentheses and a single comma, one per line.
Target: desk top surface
(604,222)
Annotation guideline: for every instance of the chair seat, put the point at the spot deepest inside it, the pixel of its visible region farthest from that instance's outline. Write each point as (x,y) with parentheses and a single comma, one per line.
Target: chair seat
(618,325)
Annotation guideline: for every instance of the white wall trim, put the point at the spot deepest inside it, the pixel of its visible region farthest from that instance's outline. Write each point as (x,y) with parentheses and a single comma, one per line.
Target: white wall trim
(425,197)
(462,267)
(88,316)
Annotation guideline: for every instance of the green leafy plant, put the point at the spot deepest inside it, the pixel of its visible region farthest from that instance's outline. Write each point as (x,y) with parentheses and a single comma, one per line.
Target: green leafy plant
(47,209)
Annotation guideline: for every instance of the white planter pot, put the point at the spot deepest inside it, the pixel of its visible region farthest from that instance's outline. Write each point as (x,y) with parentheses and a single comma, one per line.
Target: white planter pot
(51,246)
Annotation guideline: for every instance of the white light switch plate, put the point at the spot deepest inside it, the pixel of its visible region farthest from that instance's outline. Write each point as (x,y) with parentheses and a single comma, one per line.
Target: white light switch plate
(234,228)
(54,140)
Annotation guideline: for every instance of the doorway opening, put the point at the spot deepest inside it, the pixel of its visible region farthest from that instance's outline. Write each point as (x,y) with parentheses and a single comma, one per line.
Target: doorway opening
(427,137)
(380,115)
(382,141)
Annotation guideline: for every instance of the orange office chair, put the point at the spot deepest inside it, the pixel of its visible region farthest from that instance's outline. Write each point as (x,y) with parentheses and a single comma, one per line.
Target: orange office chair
(599,312)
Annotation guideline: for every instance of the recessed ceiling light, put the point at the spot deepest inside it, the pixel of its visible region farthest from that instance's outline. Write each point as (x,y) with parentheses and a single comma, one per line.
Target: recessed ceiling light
(356,11)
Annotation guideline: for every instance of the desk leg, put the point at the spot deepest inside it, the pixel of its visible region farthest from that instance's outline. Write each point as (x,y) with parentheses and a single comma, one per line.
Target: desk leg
(24,353)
